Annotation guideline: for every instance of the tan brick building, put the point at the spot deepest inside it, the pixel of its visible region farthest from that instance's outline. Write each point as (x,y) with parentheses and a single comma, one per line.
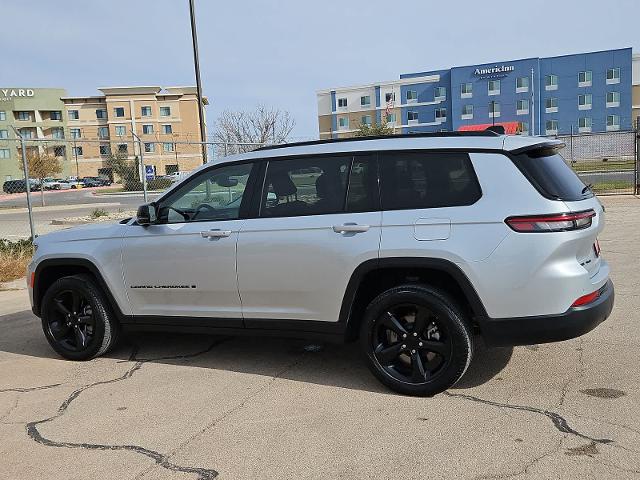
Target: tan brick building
(164,119)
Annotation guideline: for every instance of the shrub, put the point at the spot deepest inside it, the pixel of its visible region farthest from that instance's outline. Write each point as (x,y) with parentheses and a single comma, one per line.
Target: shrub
(14,257)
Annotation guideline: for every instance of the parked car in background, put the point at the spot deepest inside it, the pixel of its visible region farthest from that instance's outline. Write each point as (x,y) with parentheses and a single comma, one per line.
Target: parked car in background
(20,186)
(177,176)
(55,184)
(90,182)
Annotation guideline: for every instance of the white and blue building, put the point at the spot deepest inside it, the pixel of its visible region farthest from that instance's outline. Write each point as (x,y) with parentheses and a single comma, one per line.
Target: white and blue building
(577,93)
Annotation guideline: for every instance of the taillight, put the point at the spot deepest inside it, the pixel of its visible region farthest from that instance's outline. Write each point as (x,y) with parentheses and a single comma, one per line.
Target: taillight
(590,297)
(560,222)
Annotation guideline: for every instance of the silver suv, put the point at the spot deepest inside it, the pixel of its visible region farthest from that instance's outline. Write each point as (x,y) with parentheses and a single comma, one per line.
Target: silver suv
(412,245)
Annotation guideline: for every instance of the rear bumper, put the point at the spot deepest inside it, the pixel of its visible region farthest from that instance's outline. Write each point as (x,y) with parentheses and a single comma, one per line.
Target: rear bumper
(549,328)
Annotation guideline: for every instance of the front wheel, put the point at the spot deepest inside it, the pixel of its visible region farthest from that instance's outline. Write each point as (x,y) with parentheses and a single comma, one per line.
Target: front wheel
(76,318)
(416,340)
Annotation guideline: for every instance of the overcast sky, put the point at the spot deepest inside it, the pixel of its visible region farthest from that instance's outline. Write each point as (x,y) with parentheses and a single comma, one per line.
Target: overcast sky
(279,52)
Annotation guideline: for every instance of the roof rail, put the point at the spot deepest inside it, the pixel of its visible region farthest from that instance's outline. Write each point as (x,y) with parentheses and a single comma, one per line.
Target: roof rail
(481,133)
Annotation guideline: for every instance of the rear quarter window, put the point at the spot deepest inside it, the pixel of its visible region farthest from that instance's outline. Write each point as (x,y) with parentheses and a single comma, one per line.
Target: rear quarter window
(549,173)
(428,180)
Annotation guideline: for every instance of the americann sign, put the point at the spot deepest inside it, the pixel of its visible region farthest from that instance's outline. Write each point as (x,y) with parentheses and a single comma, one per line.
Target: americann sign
(496,69)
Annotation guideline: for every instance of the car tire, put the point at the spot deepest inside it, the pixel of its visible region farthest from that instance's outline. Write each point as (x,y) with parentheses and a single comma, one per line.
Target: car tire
(416,340)
(77,319)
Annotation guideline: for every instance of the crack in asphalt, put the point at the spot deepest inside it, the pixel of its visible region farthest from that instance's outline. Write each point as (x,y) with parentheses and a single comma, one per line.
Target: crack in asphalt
(559,422)
(580,371)
(159,458)
(29,389)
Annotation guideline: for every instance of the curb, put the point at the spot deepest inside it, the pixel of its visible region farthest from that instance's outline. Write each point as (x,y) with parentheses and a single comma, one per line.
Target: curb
(69,222)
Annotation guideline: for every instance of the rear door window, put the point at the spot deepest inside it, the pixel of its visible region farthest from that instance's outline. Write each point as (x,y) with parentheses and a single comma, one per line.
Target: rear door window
(412,180)
(551,176)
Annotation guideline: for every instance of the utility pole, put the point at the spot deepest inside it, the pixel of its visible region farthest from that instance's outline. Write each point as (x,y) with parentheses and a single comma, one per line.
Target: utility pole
(493,111)
(25,167)
(75,154)
(196,64)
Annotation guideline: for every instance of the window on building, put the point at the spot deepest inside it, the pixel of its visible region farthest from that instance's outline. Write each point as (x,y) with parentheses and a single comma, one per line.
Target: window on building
(57,133)
(24,116)
(76,151)
(613,75)
(613,99)
(391,118)
(165,111)
(365,120)
(523,128)
(551,105)
(26,133)
(59,151)
(75,132)
(584,78)
(120,130)
(101,113)
(466,90)
(441,114)
(3,115)
(584,101)
(584,124)
(343,122)
(467,112)
(551,127)
(494,110)
(390,97)
(74,114)
(105,150)
(522,107)
(122,148)
(55,115)
(166,129)
(118,111)
(494,87)
(440,93)
(427,180)
(149,147)
(522,84)
(365,101)
(145,111)
(4,133)
(613,122)
(412,116)
(412,95)
(168,147)
(551,82)
(324,193)
(147,129)
(4,153)
(103,132)
(342,103)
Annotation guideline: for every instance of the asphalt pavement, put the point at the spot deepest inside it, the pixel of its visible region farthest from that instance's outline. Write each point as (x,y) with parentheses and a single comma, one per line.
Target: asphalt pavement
(199,407)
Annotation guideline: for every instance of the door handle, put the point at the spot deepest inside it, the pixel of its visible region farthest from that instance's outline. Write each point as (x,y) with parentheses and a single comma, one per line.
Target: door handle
(350,228)
(215,233)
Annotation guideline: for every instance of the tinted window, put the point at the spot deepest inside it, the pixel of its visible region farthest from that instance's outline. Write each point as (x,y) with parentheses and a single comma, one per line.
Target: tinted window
(305,186)
(427,180)
(551,176)
(214,195)
(362,194)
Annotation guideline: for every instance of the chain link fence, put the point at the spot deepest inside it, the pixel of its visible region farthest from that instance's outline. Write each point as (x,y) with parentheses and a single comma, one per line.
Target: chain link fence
(79,180)
(607,161)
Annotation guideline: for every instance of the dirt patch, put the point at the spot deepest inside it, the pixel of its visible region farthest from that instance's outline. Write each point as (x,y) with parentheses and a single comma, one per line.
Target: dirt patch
(588,450)
(603,392)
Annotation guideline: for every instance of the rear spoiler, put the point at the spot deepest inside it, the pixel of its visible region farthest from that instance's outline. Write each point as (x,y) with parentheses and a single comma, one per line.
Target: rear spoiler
(542,149)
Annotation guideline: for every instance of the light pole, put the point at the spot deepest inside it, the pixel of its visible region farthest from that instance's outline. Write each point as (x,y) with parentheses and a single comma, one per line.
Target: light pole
(25,167)
(142,166)
(493,112)
(75,154)
(196,64)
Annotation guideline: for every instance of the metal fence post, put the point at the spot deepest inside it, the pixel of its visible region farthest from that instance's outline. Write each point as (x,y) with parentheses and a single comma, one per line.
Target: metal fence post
(142,166)
(25,167)
(636,186)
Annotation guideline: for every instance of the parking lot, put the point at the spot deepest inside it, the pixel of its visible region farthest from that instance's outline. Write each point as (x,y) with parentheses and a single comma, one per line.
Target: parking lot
(179,406)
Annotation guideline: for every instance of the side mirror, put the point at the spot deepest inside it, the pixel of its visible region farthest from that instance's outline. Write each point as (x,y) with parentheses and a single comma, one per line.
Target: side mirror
(146,214)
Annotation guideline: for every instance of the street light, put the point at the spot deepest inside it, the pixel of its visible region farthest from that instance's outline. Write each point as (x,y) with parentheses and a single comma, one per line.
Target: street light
(493,111)
(196,64)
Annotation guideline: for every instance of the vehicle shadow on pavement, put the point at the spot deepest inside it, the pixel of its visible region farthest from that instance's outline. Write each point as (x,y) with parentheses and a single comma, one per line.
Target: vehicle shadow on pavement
(293,359)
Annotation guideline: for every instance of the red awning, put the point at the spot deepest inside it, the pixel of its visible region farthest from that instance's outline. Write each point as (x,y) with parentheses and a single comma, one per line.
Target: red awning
(510,128)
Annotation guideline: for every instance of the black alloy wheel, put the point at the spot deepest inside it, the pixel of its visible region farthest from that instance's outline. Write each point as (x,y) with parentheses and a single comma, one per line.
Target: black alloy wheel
(71,322)
(416,339)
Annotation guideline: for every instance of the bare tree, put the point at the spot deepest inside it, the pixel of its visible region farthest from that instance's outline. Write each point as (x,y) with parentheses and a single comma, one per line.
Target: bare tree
(41,164)
(262,126)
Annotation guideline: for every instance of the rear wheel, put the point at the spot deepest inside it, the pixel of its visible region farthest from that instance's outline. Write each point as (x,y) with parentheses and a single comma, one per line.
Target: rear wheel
(76,318)
(416,340)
